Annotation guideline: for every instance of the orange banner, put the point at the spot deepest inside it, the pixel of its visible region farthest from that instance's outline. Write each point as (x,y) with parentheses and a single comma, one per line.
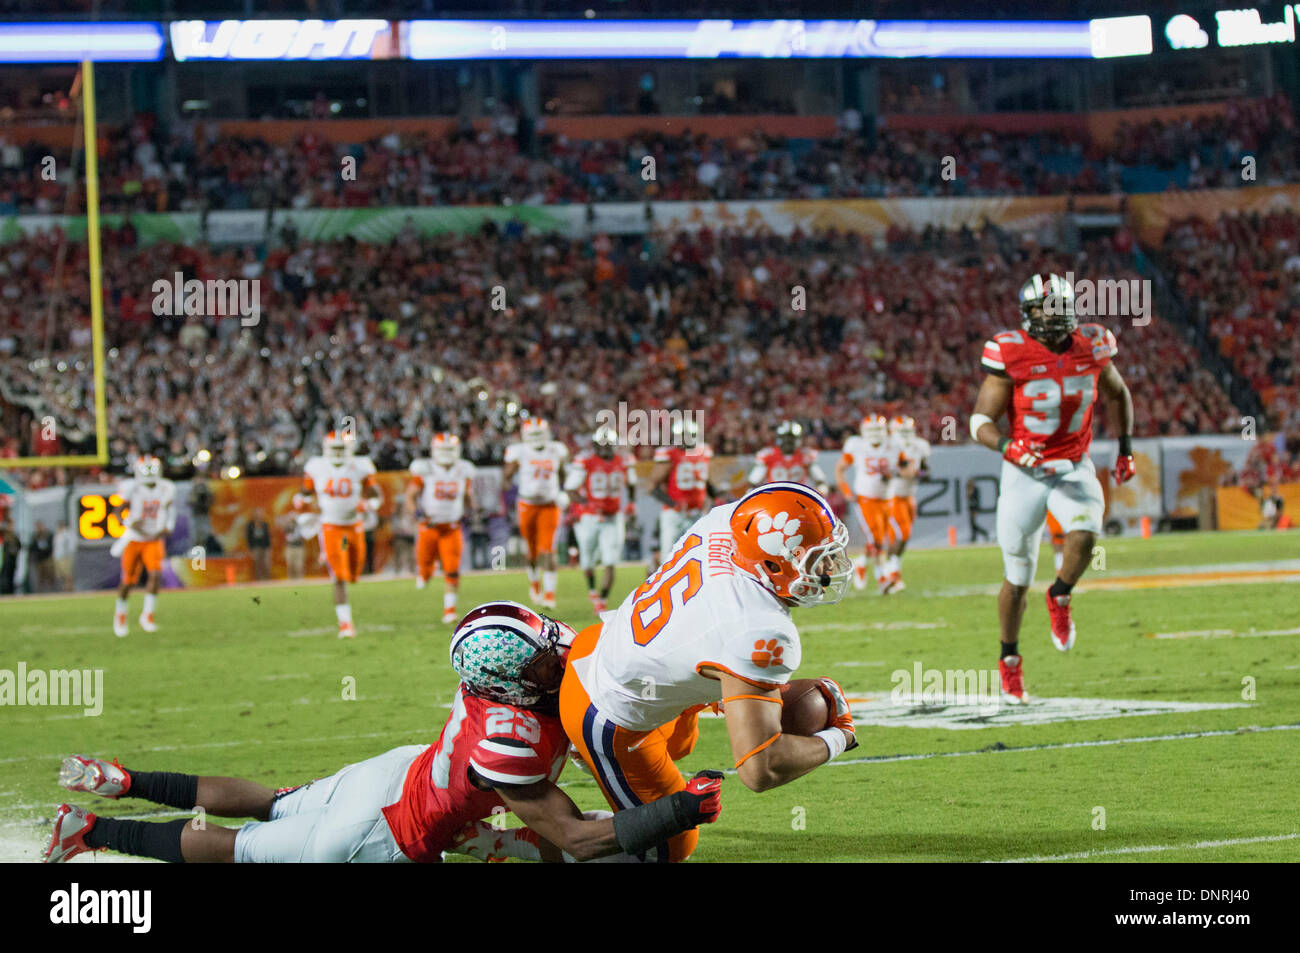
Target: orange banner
(1151,214)
(1239,509)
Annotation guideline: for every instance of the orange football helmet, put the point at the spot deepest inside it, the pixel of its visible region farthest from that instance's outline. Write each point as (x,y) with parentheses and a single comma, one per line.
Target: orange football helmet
(790,540)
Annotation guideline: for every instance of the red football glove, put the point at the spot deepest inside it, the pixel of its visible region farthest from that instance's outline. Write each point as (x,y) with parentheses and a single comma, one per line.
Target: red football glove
(1023,453)
(702,798)
(1125,468)
(841,717)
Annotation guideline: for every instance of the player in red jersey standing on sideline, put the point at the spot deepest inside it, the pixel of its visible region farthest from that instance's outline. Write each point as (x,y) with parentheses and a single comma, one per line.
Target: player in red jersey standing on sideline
(601,478)
(1046,378)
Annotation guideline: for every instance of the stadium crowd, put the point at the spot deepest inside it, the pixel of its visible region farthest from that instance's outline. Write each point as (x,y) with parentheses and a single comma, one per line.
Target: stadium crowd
(146,168)
(407,336)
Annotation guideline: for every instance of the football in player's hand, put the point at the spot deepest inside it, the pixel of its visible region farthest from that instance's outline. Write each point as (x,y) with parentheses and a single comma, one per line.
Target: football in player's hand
(804,710)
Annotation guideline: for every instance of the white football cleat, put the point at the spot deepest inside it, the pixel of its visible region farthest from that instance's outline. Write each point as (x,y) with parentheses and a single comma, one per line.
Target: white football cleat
(420,583)
(449,616)
(71,825)
(119,624)
(147,623)
(347,630)
(94,776)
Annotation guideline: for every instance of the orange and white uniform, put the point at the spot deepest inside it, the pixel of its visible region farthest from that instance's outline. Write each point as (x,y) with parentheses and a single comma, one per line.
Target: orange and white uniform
(872,467)
(155,506)
(902,489)
(443,493)
(539,492)
(633,690)
(338,489)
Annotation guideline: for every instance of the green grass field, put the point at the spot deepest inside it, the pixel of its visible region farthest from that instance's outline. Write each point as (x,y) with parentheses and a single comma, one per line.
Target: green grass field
(250,682)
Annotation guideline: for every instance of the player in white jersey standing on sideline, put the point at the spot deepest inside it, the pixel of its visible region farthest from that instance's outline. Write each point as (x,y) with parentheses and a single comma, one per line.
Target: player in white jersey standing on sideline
(912,463)
(872,457)
(602,478)
(537,460)
(149,504)
(441,492)
(344,488)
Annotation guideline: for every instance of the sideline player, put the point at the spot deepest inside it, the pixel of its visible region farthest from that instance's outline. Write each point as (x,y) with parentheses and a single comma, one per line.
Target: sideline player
(873,461)
(680,481)
(788,461)
(913,463)
(600,479)
(537,460)
(344,486)
(150,509)
(441,492)
(502,748)
(711,625)
(1046,378)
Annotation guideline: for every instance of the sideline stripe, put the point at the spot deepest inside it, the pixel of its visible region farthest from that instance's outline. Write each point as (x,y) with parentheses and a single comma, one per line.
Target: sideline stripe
(1147,849)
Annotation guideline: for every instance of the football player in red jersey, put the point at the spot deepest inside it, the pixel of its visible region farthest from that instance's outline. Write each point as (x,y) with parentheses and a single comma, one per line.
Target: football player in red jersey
(680,481)
(1046,378)
(599,479)
(788,462)
(501,749)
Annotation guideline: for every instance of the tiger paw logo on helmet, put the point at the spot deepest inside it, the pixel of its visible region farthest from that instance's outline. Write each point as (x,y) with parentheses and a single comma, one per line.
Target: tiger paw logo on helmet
(778,534)
(766,653)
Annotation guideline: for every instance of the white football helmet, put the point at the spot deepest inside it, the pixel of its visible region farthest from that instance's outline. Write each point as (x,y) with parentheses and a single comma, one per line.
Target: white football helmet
(605,440)
(902,426)
(147,469)
(446,449)
(338,447)
(875,428)
(535,432)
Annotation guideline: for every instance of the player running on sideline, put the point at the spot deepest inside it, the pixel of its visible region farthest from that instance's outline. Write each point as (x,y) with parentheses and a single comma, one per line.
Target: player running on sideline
(502,748)
(1045,378)
(441,491)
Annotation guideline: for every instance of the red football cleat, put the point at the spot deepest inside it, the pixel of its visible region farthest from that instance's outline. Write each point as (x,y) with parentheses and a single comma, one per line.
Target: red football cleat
(94,776)
(1058,610)
(71,825)
(1013,680)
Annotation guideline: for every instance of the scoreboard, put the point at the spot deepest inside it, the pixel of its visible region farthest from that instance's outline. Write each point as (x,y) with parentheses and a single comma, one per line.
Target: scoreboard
(98,514)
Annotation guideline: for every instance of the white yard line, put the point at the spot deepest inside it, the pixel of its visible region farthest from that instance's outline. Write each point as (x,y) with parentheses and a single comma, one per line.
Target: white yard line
(1147,849)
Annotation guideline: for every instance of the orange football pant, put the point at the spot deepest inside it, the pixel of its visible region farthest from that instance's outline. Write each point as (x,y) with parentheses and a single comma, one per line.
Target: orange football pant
(875,513)
(141,554)
(632,767)
(537,525)
(902,514)
(344,548)
(439,543)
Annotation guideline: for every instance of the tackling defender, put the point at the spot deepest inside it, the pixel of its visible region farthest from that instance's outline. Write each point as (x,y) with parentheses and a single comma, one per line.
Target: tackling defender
(344,487)
(502,748)
(149,504)
(441,492)
(600,479)
(1045,378)
(537,460)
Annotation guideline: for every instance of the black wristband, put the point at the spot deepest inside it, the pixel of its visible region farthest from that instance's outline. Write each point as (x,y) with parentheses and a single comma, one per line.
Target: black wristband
(639,828)
(1126,445)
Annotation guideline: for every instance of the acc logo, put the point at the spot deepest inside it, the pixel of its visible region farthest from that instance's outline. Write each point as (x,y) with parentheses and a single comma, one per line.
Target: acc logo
(778,534)
(767,653)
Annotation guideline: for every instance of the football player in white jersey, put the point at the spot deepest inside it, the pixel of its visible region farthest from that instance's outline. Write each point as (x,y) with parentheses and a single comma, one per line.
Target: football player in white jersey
(537,460)
(912,463)
(344,489)
(441,493)
(149,511)
(872,458)
(711,626)
(603,478)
